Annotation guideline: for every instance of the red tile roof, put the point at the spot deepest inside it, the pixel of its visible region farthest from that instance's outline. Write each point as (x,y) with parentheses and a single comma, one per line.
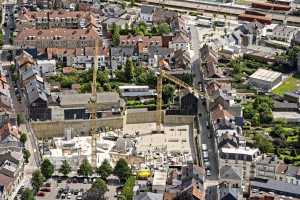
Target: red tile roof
(220,113)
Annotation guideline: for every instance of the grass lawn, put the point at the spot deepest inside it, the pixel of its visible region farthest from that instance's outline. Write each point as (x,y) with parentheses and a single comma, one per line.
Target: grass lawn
(292,139)
(289,85)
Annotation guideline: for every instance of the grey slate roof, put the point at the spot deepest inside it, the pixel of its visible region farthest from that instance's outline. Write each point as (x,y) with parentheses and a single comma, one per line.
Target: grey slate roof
(29,72)
(123,51)
(147,9)
(160,51)
(292,171)
(149,196)
(277,186)
(251,28)
(227,172)
(35,90)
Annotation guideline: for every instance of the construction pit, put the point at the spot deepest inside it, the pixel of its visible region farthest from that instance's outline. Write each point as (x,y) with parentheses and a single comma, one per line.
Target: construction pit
(139,143)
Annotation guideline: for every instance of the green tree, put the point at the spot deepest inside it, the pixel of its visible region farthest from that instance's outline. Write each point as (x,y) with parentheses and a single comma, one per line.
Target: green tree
(47,168)
(115,35)
(168,93)
(20,119)
(23,138)
(248,111)
(129,70)
(85,169)
(37,180)
(132,2)
(122,170)
(164,28)
(65,168)
(127,191)
(97,190)
(27,195)
(77,8)
(104,170)
(263,143)
(103,76)
(26,155)
(255,121)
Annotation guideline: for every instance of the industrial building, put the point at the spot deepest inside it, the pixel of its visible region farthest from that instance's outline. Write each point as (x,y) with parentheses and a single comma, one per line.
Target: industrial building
(265,79)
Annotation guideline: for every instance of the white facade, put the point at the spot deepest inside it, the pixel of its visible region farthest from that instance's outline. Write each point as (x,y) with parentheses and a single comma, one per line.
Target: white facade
(46,67)
(179,45)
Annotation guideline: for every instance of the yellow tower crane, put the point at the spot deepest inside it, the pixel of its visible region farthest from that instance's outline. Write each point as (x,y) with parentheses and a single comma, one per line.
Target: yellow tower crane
(163,74)
(93,107)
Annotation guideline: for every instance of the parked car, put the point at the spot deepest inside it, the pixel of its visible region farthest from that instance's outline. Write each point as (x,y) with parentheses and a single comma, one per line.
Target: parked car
(207,125)
(208,173)
(205,154)
(204,147)
(45,189)
(40,194)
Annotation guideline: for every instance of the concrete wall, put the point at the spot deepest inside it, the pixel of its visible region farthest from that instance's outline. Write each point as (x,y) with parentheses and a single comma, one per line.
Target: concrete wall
(142,117)
(47,129)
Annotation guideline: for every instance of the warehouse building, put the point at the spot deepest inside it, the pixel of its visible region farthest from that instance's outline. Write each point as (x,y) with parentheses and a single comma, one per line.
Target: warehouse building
(265,79)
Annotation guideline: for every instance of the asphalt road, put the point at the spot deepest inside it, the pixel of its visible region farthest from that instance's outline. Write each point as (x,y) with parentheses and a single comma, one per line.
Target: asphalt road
(8,26)
(204,118)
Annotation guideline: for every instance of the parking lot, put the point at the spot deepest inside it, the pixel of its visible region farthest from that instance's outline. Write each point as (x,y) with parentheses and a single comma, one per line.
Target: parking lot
(64,190)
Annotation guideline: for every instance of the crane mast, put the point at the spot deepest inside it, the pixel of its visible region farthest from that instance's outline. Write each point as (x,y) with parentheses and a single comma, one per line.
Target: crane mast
(93,107)
(164,74)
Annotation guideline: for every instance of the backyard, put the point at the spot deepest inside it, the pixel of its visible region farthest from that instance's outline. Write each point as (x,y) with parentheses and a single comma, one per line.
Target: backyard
(289,85)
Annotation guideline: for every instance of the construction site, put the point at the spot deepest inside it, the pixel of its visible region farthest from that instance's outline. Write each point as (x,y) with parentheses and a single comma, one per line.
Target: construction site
(142,137)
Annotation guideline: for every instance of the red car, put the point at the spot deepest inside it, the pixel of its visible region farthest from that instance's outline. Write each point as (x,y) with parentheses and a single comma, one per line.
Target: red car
(41,194)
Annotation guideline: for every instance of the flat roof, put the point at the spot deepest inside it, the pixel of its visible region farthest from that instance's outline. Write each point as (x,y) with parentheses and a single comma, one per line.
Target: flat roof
(279,186)
(123,87)
(138,94)
(266,75)
(240,150)
(83,99)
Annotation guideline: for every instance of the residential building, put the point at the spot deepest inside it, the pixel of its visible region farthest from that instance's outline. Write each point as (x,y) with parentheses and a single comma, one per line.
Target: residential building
(266,167)
(292,176)
(46,67)
(119,56)
(11,173)
(284,33)
(161,15)
(247,34)
(157,54)
(265,79)
(147,12)
(209,62)
(276,187)
(230,186)
(296,39)
(143,41)
(280,172)
(37,96)
(180,41)
(83,58)
(192,183)
(57,38)
(52,19)
(148,196)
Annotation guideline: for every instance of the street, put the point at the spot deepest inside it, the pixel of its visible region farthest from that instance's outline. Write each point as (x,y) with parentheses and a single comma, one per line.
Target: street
(206,135)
